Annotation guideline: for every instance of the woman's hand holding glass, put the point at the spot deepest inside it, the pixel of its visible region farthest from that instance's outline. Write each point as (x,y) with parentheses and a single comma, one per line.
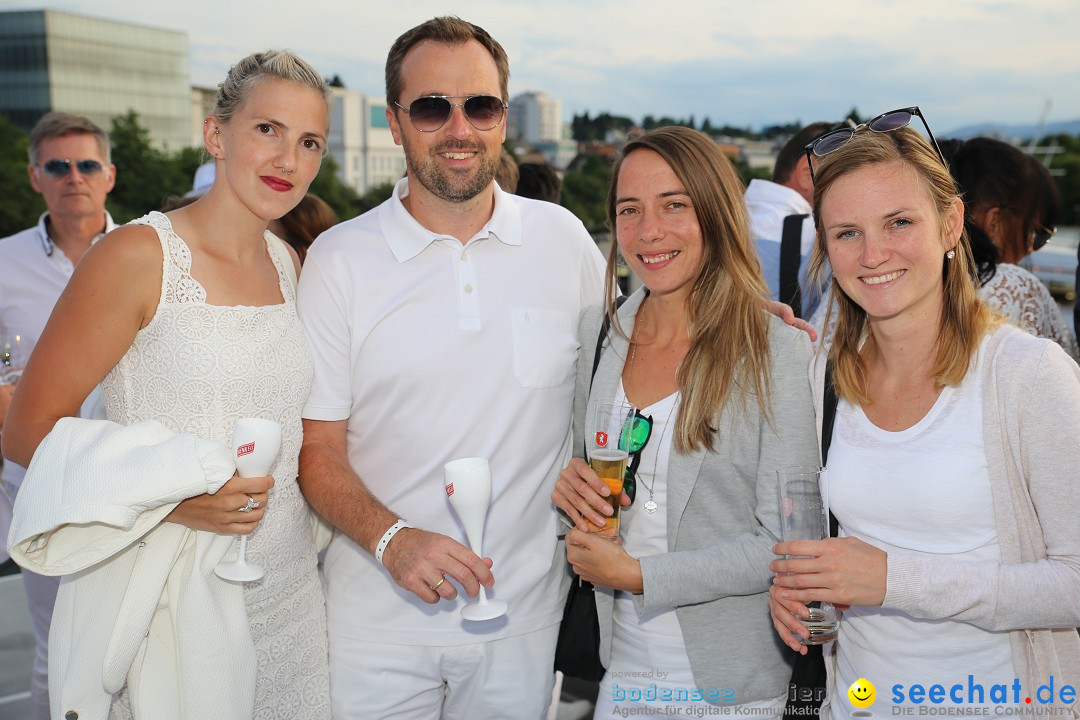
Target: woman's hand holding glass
(218,512)
(841,571)
(598,560)
(583,496)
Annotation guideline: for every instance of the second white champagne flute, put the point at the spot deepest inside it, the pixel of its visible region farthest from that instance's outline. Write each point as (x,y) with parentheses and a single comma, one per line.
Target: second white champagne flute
(468,486)
(256,443)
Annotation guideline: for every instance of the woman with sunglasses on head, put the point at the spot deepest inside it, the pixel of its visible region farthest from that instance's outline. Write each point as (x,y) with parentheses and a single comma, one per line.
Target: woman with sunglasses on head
(951,471)
(723,403)
(1010,208)
(1013,196)
(189,321)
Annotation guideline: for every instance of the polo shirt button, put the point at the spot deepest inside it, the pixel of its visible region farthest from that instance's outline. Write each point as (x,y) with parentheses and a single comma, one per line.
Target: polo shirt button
(464,256)
(468,289)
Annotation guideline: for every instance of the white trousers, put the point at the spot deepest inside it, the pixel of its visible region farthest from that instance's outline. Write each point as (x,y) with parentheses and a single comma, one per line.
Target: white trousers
(40,598)
(494,680)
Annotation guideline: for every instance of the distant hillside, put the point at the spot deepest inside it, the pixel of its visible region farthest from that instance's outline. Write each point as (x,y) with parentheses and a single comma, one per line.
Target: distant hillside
(1015,132)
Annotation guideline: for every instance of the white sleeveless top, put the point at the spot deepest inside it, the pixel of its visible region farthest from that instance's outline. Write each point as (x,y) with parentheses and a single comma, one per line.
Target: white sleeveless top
(198,368)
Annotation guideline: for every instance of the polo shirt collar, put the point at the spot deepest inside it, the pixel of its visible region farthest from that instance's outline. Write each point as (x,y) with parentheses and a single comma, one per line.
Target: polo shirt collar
(407,238)
(47,243)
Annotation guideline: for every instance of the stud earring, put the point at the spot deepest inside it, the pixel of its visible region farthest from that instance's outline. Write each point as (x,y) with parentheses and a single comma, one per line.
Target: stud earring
(951,254)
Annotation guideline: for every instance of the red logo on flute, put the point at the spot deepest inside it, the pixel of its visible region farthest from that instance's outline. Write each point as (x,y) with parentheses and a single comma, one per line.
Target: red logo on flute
(601,439)
(245,449)
(449,489)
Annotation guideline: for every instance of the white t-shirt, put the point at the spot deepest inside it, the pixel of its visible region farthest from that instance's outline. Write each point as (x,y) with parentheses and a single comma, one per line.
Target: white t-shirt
(926,491)
(647,534)
(434,350)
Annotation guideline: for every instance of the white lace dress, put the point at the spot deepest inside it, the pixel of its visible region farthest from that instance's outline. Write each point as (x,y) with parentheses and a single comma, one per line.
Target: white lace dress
(1022,298)
(197,368)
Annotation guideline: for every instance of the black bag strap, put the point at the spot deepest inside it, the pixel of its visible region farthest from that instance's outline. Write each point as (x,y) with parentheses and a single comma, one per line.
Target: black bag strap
(604,326)
(828,417)
(790,259)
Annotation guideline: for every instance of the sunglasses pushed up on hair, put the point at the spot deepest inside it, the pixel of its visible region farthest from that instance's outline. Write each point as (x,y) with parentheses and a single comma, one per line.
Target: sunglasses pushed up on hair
(61,168)
(833,140)
(429,113)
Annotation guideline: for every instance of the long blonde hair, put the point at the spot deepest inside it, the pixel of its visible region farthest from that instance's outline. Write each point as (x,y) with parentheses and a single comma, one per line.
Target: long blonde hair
(729,330)
(965,319)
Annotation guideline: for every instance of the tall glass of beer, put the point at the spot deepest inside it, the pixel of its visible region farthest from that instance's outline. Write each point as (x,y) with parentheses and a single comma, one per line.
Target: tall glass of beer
(608,443)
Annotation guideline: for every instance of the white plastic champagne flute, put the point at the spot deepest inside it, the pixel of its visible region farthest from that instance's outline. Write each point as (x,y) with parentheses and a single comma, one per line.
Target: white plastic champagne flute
(468,486)
(256,443)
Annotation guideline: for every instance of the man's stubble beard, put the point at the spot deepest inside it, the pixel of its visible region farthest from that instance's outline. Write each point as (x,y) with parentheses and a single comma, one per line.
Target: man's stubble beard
(425,169)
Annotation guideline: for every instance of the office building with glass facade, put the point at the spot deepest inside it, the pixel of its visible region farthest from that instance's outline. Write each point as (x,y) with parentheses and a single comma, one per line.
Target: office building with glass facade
(52,60)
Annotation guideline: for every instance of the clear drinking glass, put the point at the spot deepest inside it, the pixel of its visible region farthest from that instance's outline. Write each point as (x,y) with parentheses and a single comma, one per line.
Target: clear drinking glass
(14,352)
(803,517)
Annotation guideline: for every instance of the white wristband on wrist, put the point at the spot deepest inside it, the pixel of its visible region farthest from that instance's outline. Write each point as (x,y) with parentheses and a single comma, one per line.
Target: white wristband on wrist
(380,548)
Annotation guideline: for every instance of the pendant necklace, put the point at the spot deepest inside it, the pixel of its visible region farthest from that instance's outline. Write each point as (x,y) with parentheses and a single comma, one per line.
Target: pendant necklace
(650,505)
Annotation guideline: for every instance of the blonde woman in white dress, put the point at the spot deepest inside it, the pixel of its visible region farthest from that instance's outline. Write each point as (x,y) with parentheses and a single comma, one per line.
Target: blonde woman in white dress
(190,320)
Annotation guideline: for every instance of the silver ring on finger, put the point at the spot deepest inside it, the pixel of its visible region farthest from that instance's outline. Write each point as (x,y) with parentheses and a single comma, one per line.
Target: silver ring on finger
(436,586)
(252,503)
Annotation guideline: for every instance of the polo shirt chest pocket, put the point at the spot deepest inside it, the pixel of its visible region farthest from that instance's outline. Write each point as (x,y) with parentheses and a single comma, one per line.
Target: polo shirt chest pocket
(545,349)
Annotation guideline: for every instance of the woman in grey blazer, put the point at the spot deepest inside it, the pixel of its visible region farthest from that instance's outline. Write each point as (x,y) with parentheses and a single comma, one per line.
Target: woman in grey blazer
(683,597)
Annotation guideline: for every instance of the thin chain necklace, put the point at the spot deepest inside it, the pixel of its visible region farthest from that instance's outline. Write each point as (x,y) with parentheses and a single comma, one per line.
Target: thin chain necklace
(650,504)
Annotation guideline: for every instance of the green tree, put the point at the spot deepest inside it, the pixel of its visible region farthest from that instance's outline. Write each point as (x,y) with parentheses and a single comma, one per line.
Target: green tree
(145,175)
(1066,168)
(330,188)
(20,204)
(584,192)
(586,129)
(374,197)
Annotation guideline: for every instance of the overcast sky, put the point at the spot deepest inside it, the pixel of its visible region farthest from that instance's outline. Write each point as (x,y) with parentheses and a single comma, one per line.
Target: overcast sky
(740,62)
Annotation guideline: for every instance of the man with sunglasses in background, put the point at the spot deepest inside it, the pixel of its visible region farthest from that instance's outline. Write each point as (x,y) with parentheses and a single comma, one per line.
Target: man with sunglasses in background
(443,324)
(69,166)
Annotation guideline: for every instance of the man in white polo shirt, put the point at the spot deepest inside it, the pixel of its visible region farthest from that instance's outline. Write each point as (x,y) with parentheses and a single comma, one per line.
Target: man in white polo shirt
(70,167)
(443,324)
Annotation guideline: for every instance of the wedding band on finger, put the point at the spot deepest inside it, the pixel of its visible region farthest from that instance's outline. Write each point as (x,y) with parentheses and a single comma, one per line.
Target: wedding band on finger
(252,503)
(436,586)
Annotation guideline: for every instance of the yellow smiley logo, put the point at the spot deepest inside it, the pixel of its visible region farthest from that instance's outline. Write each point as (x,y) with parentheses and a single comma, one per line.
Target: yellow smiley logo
(862,693)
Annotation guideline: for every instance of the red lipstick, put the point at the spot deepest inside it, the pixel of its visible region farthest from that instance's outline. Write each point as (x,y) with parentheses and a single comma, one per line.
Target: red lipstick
(275,183)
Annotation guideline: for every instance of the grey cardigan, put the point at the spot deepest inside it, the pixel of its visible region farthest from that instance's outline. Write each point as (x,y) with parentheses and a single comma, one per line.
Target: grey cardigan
(722,515)
(1031,420)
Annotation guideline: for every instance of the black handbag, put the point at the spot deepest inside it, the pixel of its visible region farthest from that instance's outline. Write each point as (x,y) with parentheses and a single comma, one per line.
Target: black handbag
(809,679)
(577,651)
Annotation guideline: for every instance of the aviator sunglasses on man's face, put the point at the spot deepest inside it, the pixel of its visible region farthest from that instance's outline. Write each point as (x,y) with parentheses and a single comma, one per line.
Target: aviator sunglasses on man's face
(429,113)
(61,168)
